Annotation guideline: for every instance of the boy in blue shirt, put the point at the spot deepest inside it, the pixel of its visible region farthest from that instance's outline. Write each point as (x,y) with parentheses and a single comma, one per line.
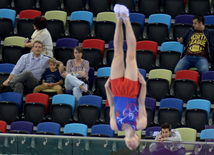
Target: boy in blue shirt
(51,78)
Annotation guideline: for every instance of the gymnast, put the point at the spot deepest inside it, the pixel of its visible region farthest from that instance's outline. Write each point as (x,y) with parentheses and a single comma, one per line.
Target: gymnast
(126,98)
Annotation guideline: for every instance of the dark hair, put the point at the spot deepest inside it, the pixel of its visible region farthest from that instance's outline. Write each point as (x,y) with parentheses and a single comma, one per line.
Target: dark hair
(37,42)
(40,22)
(200,18)
(79,49)
(166,126)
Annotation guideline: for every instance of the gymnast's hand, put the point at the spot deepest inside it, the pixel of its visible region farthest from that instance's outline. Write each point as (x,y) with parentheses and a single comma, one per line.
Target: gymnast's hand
(108,82)
(141,79)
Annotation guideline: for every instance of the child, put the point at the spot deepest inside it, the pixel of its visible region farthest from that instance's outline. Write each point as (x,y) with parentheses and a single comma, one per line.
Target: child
(51,78)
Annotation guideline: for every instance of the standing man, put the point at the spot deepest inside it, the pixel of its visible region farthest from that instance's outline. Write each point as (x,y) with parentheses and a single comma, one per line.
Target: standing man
(28,70)
(199,47)
(127,109)
(167,134)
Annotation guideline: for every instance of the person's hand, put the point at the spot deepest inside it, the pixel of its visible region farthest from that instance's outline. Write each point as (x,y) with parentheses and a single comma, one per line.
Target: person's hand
(46,84)
(83,74)
(51,84)
(5,83)
(24,45)
(108,82)
(64,74)
(141,79)
(180,40)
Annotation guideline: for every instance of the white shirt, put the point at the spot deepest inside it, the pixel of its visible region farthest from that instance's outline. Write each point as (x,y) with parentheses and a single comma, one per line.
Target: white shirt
(44,36)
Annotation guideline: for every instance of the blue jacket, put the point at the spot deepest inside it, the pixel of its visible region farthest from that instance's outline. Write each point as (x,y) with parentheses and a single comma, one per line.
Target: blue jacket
(210,41)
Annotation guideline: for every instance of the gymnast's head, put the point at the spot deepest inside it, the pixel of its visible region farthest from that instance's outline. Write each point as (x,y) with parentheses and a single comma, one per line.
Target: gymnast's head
(132,142)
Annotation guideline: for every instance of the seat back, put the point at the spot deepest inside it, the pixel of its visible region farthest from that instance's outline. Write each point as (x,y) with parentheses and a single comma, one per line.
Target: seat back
(199,104)
(151,102)
(6,67)
(148,45)
(91,100)
(65,99)
(76,128)
(207,134)
(94,56)
(161,73)
(104,71)
(8,13)
(3,126)
(172,46)
(73,5)
(88,114)
(38,97)
(83,15)
(99,86)
(22,126)
(30,14)
(161,18)
(207,75)
(102,129)
(61,113)
(67,42)
(184,19)
(24,5)
(11,54)
(12,97)
(122,133)
(199,7)
(149,7)
(15,41)
(91,77)
(34,112)
(187,74)
(137,17)
(59,15)
(94,43)
(107,16)
(97,6)
(48,5)
(5,4)
(173,7)
(172,103)
(150,131)
(49,127)
(9,111)
(188,134)
(63,54)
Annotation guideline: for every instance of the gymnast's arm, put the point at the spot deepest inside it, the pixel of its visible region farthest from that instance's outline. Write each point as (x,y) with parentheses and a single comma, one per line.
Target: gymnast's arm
(142,116)
(110,98)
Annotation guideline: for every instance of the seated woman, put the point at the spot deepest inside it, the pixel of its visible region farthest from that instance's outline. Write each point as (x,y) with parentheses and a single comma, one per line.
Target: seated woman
(79,68)
(41,33)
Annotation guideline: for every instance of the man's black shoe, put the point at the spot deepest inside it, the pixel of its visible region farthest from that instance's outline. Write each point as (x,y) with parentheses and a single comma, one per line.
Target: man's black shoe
(2,88)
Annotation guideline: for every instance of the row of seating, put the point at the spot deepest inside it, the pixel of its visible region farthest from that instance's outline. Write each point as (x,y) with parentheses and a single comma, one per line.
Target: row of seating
(35,110)
(159,83)
(94,50)
(27,145)
(99,130)
(80,24)
(172,7)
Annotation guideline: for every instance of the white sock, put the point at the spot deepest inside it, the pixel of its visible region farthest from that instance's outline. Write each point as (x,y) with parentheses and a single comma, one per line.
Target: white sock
(124,9)
(117,9)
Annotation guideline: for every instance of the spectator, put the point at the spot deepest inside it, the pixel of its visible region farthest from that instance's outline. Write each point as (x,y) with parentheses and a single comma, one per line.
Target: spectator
(28,70)
(51,78)
(41,33)
(199,47)
(78,66)
(73,83)
(167,134)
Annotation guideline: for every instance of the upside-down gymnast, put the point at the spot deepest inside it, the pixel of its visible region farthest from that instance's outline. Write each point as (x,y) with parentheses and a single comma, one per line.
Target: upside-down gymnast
(127,109)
